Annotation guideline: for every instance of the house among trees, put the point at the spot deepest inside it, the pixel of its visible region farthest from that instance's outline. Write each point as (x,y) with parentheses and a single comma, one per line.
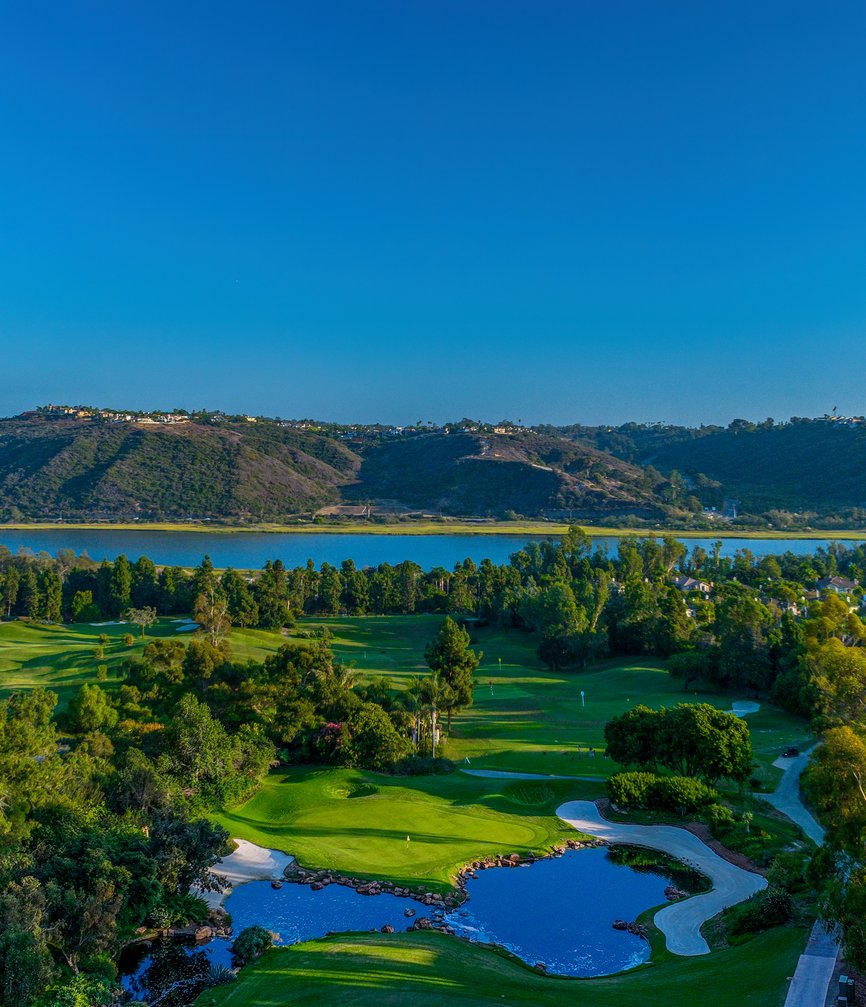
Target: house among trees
(838,585)
(688,585)
(793,609)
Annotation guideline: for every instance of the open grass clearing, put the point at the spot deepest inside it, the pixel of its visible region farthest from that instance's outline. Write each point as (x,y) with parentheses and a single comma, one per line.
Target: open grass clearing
(63,657)
(526,718)
(444,526)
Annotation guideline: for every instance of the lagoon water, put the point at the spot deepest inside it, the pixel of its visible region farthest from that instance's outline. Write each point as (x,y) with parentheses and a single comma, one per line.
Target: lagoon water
(556,911)
(560,912)
(251,550)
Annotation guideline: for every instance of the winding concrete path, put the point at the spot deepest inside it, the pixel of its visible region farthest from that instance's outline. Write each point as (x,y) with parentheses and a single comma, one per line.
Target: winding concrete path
(247,862)
(680,922)
(786,797)
(816,967)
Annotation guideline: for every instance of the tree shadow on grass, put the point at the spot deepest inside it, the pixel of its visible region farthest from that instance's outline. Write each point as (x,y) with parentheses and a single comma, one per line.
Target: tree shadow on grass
(422,969)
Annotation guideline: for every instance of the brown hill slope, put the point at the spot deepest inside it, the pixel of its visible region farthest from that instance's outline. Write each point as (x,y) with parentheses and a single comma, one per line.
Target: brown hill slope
(79,468)
(490,475)
(88,468)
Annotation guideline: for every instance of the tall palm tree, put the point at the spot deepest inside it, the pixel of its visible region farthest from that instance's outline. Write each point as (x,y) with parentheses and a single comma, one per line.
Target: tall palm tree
(331,684)
(434,698)
(348,676)
(413,700)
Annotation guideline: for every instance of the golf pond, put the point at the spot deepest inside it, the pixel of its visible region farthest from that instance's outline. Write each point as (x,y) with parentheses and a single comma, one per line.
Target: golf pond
(557,911)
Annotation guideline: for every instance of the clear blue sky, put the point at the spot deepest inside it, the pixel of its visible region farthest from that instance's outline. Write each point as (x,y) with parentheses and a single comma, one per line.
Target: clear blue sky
(553,211)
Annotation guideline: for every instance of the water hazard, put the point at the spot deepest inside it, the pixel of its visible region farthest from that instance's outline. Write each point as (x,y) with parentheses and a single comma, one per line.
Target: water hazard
(556,911)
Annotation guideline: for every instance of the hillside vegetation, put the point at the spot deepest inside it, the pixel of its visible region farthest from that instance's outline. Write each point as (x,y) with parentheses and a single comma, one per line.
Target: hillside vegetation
(799,467)
(53,467)
(488,474)
(212,467)
(83,468)
(810,467)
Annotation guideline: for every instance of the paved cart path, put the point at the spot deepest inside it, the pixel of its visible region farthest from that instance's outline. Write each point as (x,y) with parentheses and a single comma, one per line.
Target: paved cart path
(786,797)
(680,922)
(814,970)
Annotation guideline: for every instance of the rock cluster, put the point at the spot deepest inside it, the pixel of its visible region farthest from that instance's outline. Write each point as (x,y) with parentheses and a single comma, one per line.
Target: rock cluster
(518,860)
(638,929)
(317,880)
(218,925)
(673,893)
(425,923)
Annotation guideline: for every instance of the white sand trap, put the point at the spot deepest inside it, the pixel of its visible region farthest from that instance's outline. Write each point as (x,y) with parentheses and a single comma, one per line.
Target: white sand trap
(680,922)
(247,863)
(744,707)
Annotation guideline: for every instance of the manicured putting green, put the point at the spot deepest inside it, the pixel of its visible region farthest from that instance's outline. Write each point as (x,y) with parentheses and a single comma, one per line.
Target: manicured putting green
(357,822)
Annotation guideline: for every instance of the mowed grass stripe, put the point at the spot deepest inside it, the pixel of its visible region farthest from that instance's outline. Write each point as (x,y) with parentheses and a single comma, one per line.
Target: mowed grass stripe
(429,970)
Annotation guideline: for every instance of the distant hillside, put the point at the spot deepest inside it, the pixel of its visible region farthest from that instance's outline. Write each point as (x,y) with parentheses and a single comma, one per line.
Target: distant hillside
(79,464)
(806,466)
(86,468)
(490,474)
(816,466)
(62,465)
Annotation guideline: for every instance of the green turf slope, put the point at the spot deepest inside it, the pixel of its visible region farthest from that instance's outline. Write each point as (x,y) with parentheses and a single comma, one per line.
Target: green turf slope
(431,970)
(357,822)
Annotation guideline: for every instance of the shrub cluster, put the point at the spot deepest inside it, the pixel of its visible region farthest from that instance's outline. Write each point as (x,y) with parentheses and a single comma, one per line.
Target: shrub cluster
(769,908)
(740,834)
(630,790)
(721,820)
(250,943)
(681,794)
(422,765)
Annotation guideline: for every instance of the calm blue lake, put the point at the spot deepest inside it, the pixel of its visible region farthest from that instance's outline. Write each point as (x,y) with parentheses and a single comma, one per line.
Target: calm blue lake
(251,550)
(556,911)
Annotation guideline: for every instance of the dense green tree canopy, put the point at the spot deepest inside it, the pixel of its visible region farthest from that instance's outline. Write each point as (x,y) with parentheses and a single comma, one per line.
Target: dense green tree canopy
(693,739)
